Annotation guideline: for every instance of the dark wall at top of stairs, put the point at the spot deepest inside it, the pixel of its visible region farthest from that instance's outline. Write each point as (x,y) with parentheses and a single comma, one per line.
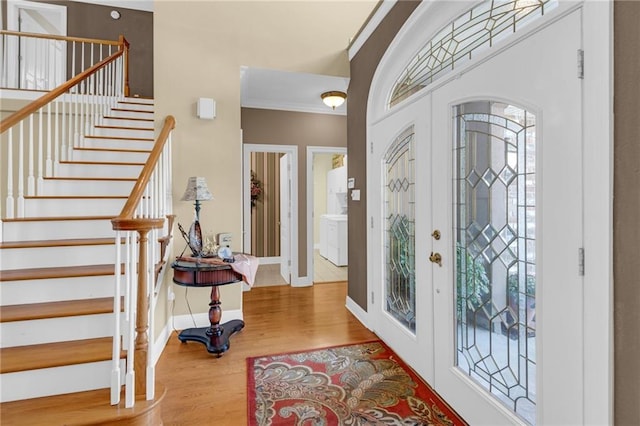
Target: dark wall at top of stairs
(94,21)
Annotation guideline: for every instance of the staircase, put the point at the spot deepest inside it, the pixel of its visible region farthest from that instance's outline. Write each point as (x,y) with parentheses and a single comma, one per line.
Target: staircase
(57,275)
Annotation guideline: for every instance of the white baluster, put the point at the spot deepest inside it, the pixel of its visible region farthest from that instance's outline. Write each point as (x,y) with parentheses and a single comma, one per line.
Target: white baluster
(115,356)
(10,201)
(31,181)
(20,199)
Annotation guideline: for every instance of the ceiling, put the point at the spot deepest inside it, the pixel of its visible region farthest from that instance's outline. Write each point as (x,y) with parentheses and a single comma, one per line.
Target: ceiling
(268,88)
(282,90)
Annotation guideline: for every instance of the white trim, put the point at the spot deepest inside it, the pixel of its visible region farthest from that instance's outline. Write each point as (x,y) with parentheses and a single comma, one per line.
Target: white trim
(360,314)
(598,212)
(295,107)
(311,150)
(247,149)
(370,26)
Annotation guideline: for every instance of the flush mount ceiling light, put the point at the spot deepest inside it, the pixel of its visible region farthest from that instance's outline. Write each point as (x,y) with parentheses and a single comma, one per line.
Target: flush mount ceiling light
(334,98)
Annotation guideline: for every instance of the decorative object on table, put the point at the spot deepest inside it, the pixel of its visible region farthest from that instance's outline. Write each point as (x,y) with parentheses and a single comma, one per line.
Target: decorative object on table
(196,191)
(256,188)
(344,385)
(193,238)
(225,254)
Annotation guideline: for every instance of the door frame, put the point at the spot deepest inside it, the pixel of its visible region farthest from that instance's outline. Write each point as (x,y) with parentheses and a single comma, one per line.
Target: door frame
(13,7)
(247,149)
(597,159)
(311,151)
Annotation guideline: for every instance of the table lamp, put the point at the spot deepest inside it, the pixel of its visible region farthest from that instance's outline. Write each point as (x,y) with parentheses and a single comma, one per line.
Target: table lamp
(197,191)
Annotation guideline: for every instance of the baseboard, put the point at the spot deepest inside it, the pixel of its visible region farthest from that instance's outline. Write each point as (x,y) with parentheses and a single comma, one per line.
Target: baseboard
(269,260)
(360,314)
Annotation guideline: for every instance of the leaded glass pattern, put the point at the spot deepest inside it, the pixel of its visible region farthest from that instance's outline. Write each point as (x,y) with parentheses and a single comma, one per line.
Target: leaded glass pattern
(495,184)
(399,217)
(474,31)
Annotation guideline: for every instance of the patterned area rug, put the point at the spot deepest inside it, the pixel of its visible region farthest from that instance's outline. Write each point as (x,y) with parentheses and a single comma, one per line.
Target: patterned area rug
(363,384)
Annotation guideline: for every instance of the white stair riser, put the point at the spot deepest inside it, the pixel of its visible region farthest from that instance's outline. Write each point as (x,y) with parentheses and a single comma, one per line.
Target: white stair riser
(99,170)
(55,207)
(136,104)
(124,122)
(57,289)
(120,188)
(49,257)
(56,230)
(128,113)
(114,156)
(50,330)
(124,133)
(56,381)
(117,143)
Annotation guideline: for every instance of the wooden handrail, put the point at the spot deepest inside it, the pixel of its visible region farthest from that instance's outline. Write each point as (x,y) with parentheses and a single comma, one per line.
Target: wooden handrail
(123,221)
(34,106)
(62,38)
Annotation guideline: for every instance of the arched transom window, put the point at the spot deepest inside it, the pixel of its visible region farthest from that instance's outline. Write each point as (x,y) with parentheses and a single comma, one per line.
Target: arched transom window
(476,30)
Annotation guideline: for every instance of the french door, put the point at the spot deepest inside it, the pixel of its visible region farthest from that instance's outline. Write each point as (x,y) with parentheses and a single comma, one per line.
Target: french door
(477,280)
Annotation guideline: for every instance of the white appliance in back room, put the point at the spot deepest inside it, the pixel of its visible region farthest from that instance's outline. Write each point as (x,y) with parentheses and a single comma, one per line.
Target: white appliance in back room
(333,224)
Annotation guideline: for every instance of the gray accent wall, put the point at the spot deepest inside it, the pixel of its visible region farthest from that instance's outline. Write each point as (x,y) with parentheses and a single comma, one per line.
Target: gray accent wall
(363,66)
(626,213)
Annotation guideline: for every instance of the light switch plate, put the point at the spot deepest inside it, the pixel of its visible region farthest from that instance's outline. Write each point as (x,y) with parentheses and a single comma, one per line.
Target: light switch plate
(355,194)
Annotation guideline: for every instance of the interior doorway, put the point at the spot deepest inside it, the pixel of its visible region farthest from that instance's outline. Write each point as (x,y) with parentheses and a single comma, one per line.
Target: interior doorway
(32,71)
(270,208)
(327,211)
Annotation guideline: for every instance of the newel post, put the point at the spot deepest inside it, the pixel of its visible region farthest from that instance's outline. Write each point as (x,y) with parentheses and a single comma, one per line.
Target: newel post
(125,46)
(141,353)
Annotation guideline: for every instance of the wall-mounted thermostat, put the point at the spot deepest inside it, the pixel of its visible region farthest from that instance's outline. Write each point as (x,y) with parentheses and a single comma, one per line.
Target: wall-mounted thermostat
(224,239)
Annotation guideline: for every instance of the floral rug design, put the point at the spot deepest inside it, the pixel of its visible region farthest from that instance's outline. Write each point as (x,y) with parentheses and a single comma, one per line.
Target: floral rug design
(355,385)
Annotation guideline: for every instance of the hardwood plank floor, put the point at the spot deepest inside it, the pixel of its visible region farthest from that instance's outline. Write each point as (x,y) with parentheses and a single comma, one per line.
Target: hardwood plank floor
(205,390)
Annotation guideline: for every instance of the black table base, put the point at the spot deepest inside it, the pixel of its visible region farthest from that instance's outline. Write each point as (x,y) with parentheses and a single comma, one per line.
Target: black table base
(215,343)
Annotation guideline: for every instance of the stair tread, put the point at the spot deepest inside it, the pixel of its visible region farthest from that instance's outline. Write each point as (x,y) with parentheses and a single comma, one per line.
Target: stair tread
(111,117)
(120,138)
(146,151)
(55,218)
(103,163)
(48,355)
(66,308)
(101,179)
(57,243)
(103,126)
(56,272)
(74,197)
(79,408)
(132,110)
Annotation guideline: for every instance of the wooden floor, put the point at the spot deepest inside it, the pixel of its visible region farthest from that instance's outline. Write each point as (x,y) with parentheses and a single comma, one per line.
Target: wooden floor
(205,390)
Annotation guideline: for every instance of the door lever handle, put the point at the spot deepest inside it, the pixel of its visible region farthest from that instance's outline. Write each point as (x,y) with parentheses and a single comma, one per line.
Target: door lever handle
(436,258)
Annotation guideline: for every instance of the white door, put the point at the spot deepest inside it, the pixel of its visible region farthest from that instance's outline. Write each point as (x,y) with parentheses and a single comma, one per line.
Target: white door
(401,298)
(42,62)
(507,305)
(285,217)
